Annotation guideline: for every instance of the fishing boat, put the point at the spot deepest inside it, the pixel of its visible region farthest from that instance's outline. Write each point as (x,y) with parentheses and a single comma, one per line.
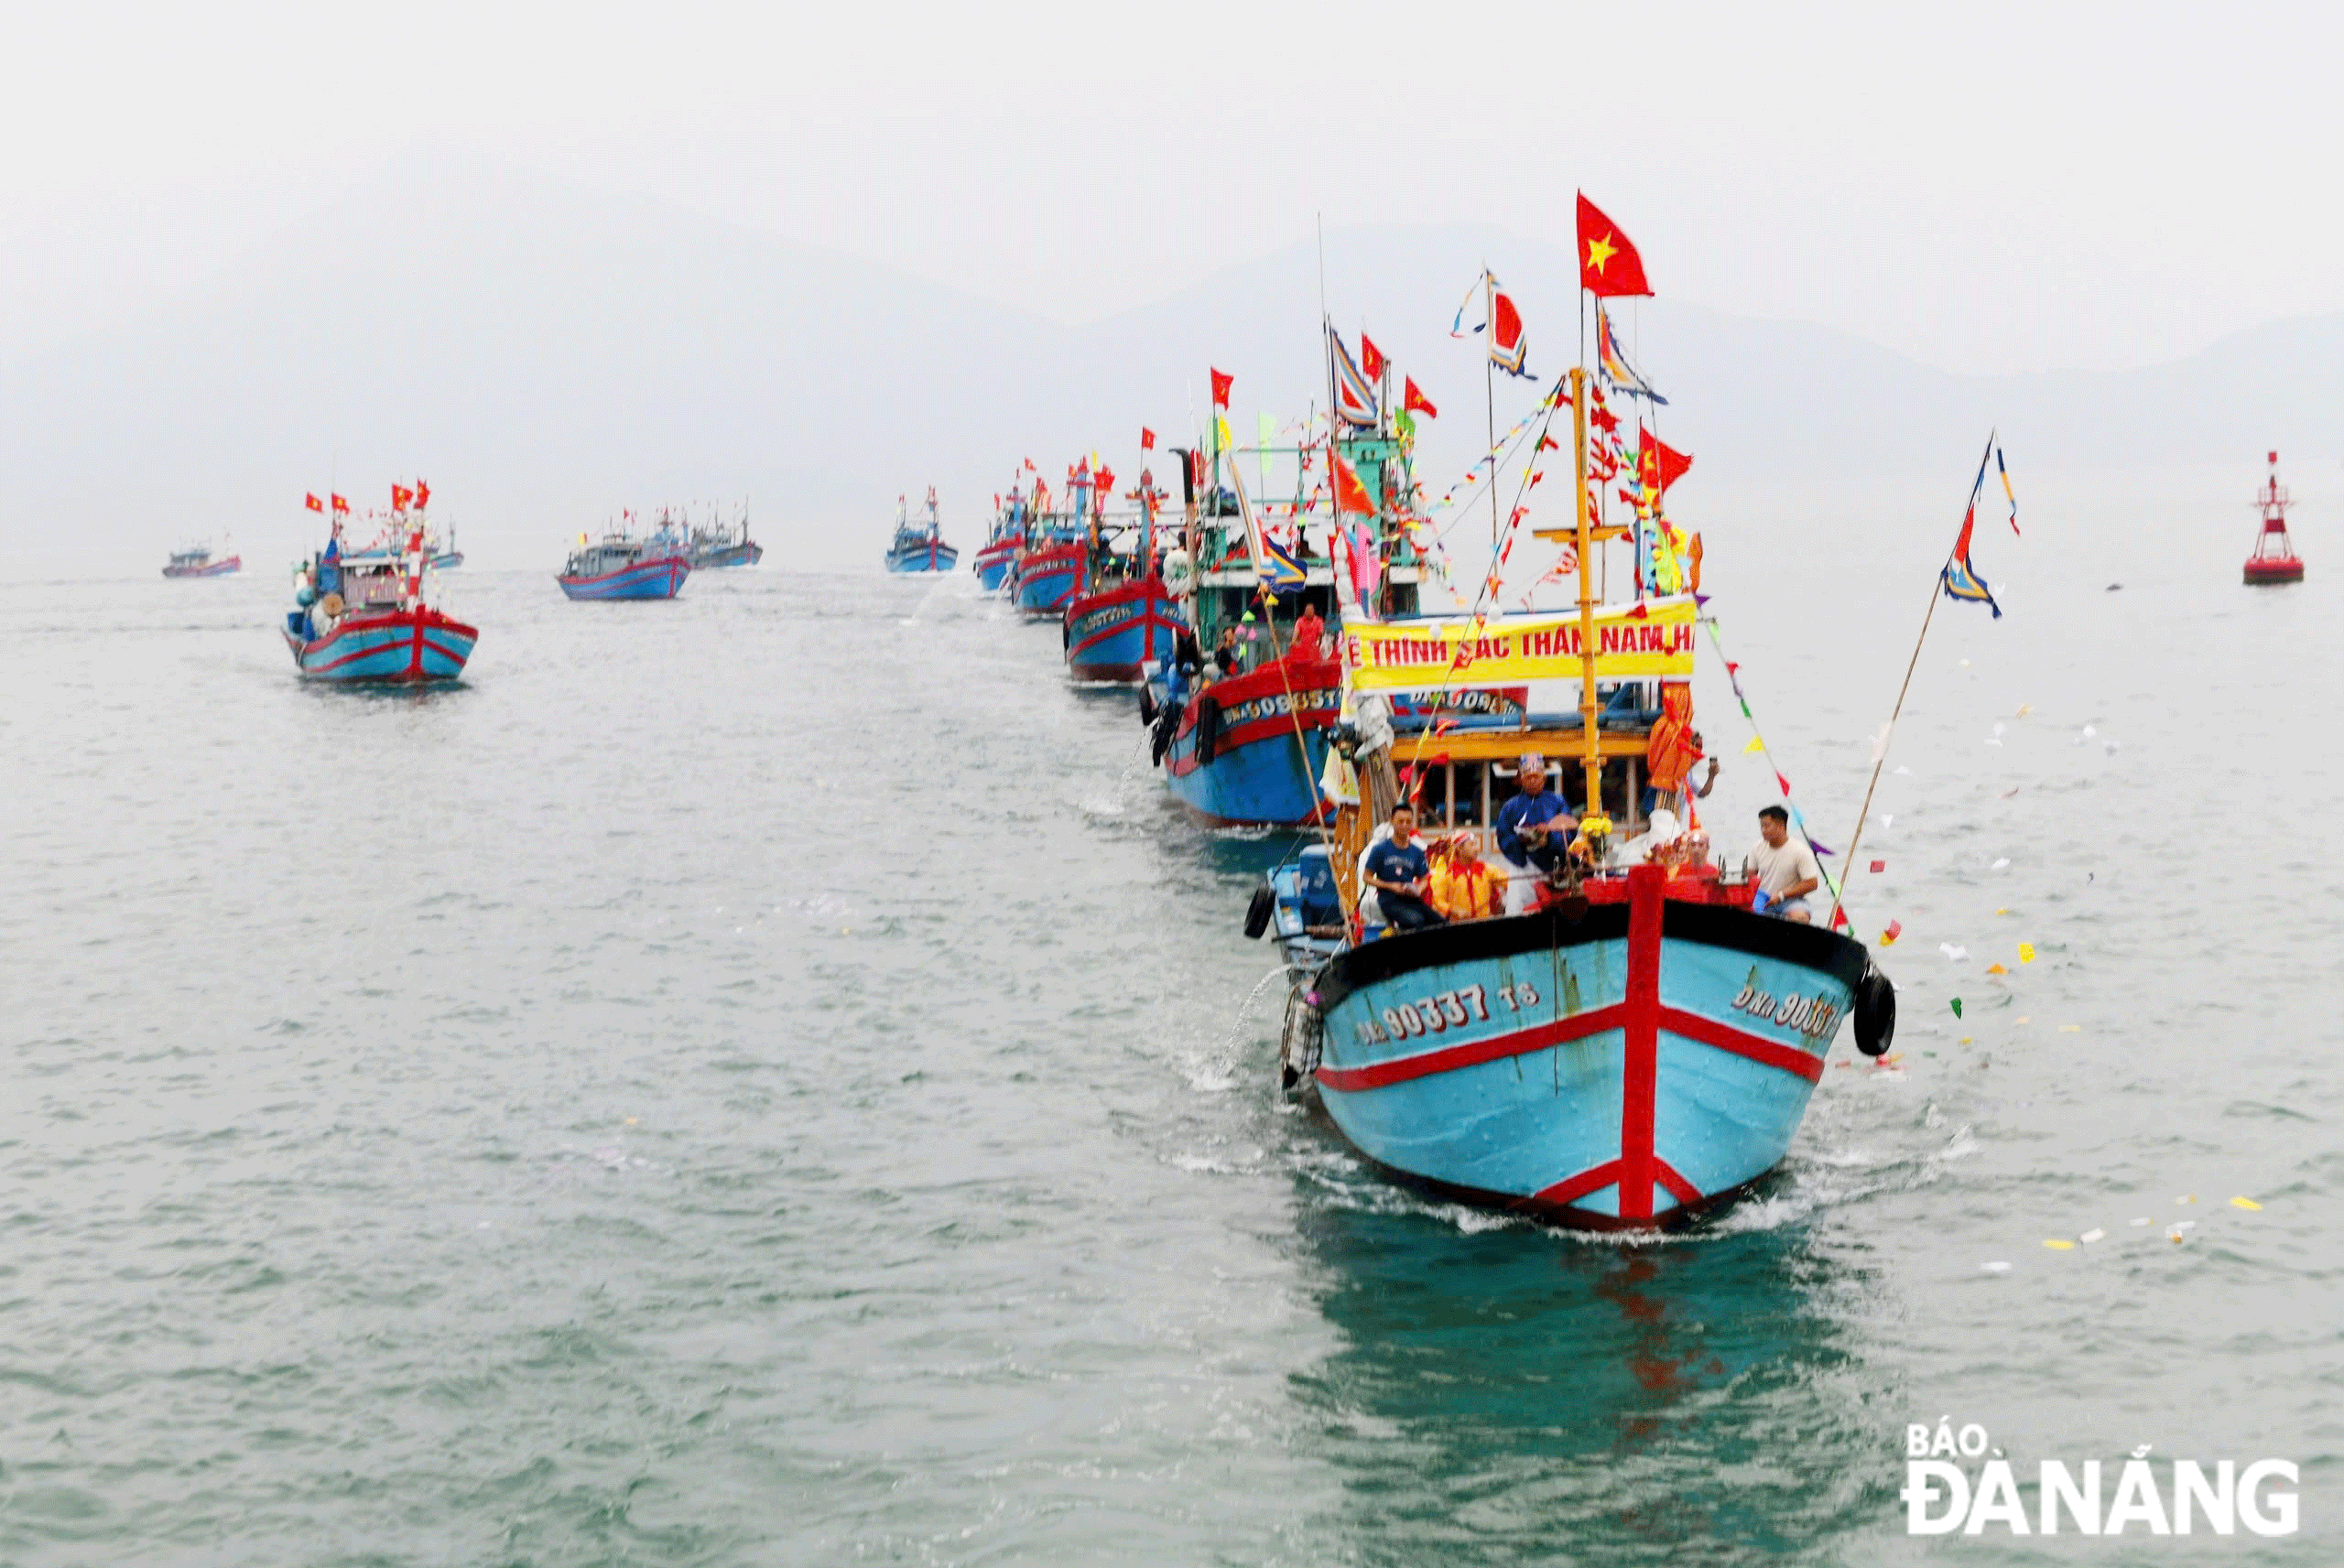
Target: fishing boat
(196,561)
(1636,1046)
(622,566)
(997,558)
(1050,564)
(1124,622)
(447,558)
(1247,750)
(2274,559)
(917,548)
(718,547)
(361,619)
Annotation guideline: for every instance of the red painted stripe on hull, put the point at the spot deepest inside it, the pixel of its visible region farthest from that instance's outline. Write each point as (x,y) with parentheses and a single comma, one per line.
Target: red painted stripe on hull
(1639,1074)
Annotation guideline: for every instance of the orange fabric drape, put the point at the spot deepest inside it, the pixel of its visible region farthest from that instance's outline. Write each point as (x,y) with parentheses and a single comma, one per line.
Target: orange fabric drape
(1670,751)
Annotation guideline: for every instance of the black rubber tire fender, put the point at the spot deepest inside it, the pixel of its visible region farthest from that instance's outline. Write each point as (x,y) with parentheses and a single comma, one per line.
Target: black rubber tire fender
(1258,912)
(1875,1010)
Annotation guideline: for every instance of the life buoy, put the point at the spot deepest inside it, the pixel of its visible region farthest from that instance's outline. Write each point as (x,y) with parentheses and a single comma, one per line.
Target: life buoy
(1875,1013)
(1258,912)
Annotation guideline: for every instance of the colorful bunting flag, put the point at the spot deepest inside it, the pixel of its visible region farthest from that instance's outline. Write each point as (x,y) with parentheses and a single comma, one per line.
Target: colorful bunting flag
(1355,401)
(1960,575)
(1623,376)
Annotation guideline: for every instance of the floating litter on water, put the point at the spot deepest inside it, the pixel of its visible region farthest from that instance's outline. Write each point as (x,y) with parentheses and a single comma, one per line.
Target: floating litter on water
(1888,817)
(1998,865)
(2092,1235)
(2186,1197)
(2024,708)
(2058,1245)
(2244,1203)
(2026,952)
(2089,731)
(1996,969)
(2008,792)
(1895,929)
(1906,771)
(1959,954)
(1878,866)
(1996,1268)
(1956,1007)
(2072,1029)
(1965,1040)
(2002,912)
(2026,1021)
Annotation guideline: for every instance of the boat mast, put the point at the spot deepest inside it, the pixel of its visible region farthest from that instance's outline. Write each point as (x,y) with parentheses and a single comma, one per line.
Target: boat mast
(1591,743)
(1489,406)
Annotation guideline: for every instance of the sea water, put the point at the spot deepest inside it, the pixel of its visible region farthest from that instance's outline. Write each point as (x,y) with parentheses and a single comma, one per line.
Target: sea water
(761,1079)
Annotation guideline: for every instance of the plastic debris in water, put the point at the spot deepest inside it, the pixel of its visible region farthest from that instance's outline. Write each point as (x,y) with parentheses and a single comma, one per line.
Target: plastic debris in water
(2186,1197)
(1996,969)
(1895,929)
(2026,952)
(1906,771)
(2024,708)
(1996,1268)
(2002,912)
(2058,1245)
(2091,1236)
(1998,865)
(1965,1040)
(2008,793)
(1959,954)
(2072,1029)
(1887,818)
(2089,731)
(2246,1203)
(1956,1007)
(1878,866)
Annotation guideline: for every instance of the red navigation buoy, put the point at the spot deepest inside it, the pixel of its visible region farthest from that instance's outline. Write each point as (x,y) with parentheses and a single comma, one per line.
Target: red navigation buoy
(2274,559)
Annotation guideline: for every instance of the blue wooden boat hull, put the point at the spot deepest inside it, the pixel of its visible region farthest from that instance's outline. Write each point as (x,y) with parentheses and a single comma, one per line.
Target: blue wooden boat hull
(228,567)
(994,564)
(1046,583)
(928,556)
(1120,634)
(661,578)
(396,648)
(1260,774)
(1622,1070)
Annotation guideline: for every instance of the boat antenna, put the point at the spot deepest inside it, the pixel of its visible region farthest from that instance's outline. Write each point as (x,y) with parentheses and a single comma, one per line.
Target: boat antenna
(1880,758)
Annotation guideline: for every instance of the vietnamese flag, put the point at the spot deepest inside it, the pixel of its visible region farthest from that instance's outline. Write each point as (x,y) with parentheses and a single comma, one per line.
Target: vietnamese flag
(1350,494)
(312,502)
(1608,264)
(1221,386)
(1658,464)
(400,496)
(1415,402)
(1146,439)
(422,494)
(1371,358)
(340,505)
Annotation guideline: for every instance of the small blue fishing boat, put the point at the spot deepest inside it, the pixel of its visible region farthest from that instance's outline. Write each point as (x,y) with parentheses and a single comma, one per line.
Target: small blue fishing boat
(997,559)
(361,619)
(1124,621)
(623,567)
(917,548)
(717,547)
(197,560)
(1637,1043)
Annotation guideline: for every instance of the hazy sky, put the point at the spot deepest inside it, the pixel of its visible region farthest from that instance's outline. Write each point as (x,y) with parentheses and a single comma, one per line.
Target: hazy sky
(1988,187)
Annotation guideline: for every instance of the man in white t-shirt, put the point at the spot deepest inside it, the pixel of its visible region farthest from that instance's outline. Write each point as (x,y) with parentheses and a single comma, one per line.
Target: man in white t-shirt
(1785,871)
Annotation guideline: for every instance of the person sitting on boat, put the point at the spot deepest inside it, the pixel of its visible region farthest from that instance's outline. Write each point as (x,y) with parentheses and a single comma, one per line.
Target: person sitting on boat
(1533,829)
(1309,634)
(322,615)
(1228,659)
(1463,886)
(1785,870)
(1401,875)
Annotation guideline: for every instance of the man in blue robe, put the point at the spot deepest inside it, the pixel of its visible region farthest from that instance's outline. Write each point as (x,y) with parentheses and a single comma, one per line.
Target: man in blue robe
(1533,829)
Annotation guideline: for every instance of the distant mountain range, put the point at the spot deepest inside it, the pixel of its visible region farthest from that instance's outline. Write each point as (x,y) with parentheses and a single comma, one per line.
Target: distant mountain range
(545,355)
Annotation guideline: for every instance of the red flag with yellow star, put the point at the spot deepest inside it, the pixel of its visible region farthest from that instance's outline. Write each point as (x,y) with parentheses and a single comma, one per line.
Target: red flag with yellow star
(1608,264)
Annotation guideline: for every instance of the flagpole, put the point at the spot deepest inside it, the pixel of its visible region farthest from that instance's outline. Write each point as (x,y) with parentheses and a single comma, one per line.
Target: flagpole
(1936,587)
(1489,403)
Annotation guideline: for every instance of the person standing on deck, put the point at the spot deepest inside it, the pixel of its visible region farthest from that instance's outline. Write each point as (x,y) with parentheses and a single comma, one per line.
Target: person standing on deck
(1399,873)
(1786,871)
(1533,828)
(1309,634)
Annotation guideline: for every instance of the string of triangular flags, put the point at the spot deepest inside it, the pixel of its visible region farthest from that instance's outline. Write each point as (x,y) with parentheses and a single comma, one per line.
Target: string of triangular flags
(1758,744)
